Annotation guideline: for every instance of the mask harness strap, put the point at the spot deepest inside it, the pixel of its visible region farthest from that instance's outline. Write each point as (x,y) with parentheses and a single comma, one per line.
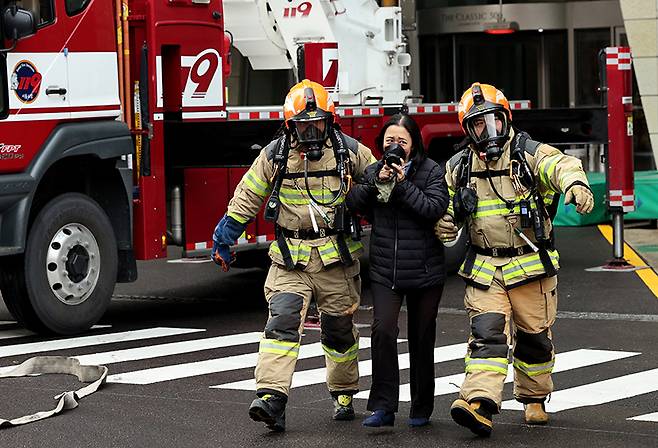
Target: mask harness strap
(273,204)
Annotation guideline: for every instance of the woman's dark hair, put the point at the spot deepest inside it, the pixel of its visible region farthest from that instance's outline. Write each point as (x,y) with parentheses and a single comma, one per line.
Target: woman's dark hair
(417,149)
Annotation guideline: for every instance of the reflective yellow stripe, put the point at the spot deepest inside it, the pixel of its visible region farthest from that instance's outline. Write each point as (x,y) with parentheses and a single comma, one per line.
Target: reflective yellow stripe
(300,253)
(329,250)
(534,369)
(350,354)
(275,347)
(482,269)
(498,365)
(450,210)
(526,264)
(494,207)
(547,167)
(256,184)
(238,218)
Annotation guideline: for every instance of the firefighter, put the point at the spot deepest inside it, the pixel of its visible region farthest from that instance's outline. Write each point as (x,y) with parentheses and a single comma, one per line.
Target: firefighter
(306,172)
(505,187)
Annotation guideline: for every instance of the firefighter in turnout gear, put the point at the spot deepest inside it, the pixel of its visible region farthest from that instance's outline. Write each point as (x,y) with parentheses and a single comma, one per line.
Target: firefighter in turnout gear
(303,177)
(504,188)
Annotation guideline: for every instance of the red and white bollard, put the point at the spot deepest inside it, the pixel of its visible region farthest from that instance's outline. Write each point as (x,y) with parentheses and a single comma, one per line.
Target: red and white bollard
(619,160)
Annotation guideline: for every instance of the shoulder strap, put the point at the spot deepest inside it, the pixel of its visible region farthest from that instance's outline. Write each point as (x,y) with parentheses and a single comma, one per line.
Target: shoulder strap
(523,142)
(274,147)
(454,161)
(351,143)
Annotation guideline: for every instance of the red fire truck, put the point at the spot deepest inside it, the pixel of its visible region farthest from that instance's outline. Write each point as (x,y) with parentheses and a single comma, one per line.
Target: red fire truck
(117,140)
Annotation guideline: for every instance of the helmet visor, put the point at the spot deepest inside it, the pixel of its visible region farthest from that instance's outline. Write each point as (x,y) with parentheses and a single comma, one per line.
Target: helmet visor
(488,126)
(311,130)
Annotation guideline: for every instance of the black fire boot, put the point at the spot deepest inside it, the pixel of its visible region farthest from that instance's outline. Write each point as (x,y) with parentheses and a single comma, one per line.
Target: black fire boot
(475,415)
(271,410)
(343,409)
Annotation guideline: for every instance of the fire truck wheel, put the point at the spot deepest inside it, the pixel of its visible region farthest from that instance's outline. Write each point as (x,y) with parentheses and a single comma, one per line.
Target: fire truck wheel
(69,269)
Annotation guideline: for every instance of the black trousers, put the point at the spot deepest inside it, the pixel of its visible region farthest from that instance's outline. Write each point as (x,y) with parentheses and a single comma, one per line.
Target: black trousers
(422,309)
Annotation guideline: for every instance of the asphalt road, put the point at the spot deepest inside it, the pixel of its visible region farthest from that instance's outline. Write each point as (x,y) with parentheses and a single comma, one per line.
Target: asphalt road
(180,345)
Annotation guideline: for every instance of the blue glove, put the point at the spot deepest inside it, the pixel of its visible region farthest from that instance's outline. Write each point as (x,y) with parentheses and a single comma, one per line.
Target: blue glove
(226,232)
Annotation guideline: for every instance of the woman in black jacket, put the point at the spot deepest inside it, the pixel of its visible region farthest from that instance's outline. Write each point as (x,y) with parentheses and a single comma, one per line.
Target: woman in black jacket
(403,202)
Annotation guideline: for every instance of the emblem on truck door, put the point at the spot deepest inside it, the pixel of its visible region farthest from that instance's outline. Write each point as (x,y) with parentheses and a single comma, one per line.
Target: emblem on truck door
(26,81)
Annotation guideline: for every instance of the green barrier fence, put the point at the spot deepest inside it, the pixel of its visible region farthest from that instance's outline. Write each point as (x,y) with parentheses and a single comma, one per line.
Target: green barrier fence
(646,201)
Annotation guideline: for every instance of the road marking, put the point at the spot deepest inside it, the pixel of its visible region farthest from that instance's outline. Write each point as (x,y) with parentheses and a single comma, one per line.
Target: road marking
(600,392)
(190,260)
(173,348)
(319,376)
(563,361)
(648,276)
(653,417)
(187,370)
(8,334)
(7,322)
(21,333)
(86,341)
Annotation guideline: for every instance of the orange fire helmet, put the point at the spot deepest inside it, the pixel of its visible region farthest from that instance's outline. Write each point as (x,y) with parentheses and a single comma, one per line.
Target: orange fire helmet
(296,100)
(491,99)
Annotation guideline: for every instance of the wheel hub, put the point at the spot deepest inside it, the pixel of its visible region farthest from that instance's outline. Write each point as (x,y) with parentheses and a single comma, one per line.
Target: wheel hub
(73,263)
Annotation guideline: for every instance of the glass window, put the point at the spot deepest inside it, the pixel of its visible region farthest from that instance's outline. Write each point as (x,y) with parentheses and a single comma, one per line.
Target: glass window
(509,62)
(42,10)
(74,7)
(588,43)
(557,75)
(436,76)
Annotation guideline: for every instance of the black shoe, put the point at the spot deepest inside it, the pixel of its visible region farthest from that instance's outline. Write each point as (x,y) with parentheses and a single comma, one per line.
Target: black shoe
(271,410)
(343,409)
(473,416)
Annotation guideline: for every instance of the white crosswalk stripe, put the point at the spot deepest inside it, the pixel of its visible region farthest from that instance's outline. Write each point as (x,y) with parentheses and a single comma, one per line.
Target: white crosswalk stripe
(653,417)
(563,362)
(191,369)
(318,376)
(598,392)
(173,348)
(22,332)
(88,341)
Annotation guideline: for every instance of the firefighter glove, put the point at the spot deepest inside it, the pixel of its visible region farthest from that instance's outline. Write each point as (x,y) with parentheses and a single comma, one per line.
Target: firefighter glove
(581,196)
(227,231)
(445,229)
(221,255)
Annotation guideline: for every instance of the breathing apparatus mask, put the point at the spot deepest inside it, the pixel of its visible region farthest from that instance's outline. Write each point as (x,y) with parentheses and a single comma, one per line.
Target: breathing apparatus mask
(310,127)
(488,127)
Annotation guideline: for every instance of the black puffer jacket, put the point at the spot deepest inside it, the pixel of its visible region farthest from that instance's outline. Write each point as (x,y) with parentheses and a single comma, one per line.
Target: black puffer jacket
(404,251)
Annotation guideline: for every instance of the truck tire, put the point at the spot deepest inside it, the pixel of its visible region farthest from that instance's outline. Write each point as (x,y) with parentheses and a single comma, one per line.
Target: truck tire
(64,281)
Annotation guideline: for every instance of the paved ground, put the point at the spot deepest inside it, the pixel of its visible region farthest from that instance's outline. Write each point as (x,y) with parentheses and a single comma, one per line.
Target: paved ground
(160,392)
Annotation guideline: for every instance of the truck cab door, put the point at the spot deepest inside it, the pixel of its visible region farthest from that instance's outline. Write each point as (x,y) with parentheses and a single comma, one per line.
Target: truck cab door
(37,69)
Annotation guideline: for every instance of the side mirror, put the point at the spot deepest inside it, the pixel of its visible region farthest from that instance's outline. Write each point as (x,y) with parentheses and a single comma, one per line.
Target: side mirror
(18,23)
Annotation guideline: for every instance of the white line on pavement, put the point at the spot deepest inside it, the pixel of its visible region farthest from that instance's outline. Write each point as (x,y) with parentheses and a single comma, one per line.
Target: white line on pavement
(86,341)
(187,370)
(318,376)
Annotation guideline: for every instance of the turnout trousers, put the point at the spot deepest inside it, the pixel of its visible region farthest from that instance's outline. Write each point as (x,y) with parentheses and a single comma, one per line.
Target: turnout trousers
(520,317)
(336,290)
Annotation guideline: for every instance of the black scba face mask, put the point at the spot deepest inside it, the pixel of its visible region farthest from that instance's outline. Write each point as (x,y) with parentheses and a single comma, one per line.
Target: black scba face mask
(311,133)
(490,142)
